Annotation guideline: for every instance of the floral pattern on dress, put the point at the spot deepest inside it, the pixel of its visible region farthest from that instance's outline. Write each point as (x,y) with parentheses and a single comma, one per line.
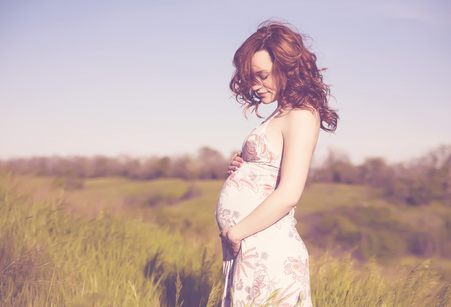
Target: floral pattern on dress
(297,268)
(274,258)
(255,150)
(226,217)
(244,260)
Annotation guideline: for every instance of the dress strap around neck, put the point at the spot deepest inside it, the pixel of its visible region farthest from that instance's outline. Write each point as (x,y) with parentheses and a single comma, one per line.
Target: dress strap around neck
(270,117)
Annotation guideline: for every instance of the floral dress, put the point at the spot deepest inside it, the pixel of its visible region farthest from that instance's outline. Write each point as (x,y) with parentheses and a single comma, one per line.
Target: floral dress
(274,258)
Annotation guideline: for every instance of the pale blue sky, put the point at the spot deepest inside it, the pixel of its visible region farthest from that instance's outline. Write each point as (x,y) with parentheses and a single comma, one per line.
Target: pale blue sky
(151,77)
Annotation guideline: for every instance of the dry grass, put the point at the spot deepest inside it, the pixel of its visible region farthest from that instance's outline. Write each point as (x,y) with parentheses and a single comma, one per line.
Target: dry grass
(51,257)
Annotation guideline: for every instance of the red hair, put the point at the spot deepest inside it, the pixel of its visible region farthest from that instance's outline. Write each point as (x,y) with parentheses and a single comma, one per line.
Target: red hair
(299,82)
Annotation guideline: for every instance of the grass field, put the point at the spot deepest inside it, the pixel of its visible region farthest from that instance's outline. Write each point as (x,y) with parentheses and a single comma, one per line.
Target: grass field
(116,242)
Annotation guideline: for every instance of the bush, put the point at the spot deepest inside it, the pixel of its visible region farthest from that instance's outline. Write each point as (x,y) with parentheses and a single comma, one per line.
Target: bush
(369,231)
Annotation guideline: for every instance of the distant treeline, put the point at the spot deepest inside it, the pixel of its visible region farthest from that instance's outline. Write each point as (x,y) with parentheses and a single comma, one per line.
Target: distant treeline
(417,182)
(207,164)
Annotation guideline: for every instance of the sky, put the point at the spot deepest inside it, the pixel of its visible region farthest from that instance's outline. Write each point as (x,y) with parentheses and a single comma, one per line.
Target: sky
(143,78)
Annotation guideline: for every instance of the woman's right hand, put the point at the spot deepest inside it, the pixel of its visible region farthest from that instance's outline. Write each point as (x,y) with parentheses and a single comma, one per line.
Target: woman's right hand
(235,163)
(234,244)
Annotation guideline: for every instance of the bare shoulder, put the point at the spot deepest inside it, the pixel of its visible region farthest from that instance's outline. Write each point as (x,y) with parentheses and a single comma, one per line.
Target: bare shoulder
(301,131)
(302,117)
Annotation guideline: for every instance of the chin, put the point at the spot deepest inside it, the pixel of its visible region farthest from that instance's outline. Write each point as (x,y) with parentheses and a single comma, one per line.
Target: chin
(267,101)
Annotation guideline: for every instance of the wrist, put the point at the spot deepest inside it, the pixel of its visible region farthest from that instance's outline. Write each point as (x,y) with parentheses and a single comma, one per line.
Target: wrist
(234,235)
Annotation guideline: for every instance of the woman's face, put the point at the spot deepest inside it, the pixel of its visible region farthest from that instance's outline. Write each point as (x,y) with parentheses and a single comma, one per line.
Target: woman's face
(262,68)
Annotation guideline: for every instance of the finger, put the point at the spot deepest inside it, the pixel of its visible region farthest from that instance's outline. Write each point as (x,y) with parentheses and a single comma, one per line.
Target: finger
(238,159)
(240,155)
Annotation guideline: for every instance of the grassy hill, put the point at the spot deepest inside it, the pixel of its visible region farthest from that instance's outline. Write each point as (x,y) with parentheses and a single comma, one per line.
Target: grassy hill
(117,242)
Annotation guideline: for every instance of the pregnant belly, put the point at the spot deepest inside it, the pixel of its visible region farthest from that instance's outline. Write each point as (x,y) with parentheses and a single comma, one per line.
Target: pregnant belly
(240,195)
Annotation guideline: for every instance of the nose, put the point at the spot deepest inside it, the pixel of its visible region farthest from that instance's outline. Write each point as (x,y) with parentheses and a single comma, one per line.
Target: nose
(256,86)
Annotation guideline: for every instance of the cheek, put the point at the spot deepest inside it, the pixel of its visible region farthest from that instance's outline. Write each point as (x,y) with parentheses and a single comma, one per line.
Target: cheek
(268,85)
(271,85)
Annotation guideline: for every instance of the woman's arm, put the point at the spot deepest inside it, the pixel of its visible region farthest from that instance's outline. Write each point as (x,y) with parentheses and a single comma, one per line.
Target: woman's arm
(300,132)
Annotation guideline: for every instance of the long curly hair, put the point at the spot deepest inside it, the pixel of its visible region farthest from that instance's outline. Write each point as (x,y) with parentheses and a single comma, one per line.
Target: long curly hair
(299,82)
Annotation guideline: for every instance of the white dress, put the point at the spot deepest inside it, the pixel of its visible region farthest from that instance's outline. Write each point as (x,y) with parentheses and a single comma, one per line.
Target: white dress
(270,259)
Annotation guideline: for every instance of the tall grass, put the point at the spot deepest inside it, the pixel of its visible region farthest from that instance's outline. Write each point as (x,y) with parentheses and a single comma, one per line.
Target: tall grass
(338,283)
(49,257)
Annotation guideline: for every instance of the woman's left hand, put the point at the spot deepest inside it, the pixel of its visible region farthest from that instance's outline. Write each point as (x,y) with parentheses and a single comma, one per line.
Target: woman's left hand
(234,244)
(235,163)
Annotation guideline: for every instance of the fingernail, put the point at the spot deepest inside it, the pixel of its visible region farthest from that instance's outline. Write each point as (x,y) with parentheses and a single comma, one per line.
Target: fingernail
(235,168)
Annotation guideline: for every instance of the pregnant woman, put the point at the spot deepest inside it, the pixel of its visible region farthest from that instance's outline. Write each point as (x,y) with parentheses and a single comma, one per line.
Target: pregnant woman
(262,250)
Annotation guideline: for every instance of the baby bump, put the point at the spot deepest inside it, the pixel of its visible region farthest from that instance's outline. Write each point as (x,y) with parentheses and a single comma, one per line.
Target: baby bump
(240,196)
